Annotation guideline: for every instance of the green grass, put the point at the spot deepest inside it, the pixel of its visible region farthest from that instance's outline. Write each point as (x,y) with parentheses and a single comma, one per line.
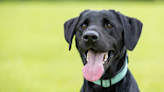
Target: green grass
(34,55)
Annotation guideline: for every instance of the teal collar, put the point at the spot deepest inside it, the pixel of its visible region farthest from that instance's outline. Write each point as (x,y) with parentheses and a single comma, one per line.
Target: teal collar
(120,75)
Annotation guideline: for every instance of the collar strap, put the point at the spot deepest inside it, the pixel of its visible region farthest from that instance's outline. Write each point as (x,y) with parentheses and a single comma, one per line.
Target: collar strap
(120,75)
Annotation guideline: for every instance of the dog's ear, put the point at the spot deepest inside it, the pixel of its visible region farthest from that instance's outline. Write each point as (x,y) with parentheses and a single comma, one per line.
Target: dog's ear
(69,30)
(132,30)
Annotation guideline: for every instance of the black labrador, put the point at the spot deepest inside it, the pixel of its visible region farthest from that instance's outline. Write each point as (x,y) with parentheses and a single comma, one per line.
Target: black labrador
(102,38)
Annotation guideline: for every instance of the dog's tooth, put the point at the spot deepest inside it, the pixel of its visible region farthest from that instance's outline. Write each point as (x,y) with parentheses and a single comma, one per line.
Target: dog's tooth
(106,56)
(87,56)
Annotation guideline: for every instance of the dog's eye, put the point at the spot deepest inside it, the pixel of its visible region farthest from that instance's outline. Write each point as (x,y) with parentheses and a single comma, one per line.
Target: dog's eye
(109,25)
(83,25)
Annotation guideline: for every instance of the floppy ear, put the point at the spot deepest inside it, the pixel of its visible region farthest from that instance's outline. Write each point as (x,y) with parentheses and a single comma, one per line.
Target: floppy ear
(69,30)
(132,30)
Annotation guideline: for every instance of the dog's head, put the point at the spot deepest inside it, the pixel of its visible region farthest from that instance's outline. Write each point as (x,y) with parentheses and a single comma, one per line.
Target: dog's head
(102,38)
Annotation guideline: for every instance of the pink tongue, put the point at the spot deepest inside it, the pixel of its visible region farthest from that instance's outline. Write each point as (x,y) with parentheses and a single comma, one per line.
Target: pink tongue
(94,69)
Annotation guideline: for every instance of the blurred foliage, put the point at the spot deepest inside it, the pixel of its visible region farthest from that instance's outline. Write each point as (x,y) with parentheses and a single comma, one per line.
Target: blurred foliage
(34,55)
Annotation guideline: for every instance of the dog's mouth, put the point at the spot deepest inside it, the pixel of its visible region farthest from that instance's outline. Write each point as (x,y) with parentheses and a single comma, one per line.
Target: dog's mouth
(95,64)
(106,58)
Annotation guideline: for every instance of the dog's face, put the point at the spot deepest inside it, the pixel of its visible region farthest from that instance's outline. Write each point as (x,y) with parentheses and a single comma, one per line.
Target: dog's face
(102,38)
(98,30)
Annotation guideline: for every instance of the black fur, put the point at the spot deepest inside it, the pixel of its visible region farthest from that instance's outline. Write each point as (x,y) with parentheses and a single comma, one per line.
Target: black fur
(123,35)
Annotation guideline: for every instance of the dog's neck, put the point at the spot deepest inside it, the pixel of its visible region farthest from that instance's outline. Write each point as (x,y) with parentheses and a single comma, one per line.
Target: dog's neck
(122,60)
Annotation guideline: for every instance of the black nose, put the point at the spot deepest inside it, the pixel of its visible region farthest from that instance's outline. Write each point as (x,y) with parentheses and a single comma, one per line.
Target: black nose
(90,36)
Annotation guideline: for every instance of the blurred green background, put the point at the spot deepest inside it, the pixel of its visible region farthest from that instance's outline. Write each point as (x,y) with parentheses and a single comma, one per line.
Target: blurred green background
(34,55)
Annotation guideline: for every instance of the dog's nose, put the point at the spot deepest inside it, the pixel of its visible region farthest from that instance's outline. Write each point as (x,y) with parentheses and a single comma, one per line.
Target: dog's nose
(90,36)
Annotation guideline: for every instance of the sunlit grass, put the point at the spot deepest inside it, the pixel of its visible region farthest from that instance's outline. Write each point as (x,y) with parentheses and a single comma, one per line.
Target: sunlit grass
(34,55)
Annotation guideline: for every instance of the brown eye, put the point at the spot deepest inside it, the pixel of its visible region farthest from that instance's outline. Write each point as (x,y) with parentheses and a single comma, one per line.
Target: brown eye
(109,25)
(83,25)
